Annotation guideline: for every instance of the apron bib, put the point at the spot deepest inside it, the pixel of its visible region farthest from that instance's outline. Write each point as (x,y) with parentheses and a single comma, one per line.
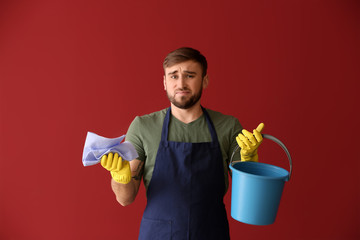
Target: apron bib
(185,195)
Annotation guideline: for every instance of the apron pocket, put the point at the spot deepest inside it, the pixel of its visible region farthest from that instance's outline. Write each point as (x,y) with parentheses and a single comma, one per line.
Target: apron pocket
(155,229)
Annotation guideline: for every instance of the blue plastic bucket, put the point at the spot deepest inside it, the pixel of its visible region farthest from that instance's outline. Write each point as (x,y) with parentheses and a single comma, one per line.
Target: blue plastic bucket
(257,189)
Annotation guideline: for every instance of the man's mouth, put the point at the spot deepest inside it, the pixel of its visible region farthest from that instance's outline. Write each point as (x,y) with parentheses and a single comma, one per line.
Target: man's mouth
(182,92)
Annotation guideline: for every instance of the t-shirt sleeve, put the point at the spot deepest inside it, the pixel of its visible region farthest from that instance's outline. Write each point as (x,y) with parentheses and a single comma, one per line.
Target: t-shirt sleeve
(133,135)
(236,129)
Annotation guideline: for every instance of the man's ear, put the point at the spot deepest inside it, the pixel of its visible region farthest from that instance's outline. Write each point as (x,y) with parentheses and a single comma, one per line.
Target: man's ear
(205,81)
(164,81)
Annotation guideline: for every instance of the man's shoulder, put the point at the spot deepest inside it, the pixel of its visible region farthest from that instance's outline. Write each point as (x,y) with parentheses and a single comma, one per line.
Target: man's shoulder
(218,116)
(151,118)
(154,115)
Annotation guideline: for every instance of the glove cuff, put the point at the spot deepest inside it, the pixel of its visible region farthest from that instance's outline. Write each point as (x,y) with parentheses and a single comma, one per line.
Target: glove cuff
(120,178)
(250,158)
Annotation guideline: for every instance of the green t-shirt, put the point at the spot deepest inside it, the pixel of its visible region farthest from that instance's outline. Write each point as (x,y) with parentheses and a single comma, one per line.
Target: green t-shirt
(145,134)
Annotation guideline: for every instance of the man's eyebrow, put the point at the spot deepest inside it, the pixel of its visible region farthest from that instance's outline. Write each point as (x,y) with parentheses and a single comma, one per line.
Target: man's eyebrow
(186,71)
(190,72)
(173,72)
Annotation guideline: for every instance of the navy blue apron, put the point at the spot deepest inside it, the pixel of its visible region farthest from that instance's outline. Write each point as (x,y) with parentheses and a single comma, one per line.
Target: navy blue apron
(185,195)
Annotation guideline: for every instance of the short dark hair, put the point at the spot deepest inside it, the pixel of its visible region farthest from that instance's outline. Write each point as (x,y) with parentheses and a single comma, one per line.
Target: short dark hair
(185,54)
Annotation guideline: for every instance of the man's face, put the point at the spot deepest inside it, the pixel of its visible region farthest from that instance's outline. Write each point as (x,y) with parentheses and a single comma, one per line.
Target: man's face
(184,83)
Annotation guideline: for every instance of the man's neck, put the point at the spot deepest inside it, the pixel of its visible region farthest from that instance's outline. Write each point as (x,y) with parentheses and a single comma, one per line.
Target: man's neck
(187,115)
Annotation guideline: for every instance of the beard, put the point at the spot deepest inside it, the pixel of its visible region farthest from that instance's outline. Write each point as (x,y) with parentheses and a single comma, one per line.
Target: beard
(184,102)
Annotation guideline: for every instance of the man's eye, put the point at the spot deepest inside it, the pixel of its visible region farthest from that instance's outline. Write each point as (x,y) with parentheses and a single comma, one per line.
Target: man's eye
(173,77)
(190,76)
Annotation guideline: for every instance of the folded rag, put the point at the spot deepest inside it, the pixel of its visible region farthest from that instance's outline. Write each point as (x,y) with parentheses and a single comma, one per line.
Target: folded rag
(96,146)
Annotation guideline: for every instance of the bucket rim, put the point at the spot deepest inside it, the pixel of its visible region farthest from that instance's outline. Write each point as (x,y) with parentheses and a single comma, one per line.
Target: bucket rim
(284,177)
(282,145)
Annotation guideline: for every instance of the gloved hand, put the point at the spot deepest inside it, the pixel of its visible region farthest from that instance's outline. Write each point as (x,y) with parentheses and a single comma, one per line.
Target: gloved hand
(249,143)
(119,169)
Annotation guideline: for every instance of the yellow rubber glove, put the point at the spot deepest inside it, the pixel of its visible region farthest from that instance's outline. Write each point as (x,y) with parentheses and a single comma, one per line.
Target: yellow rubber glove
(249,143)
(119,169)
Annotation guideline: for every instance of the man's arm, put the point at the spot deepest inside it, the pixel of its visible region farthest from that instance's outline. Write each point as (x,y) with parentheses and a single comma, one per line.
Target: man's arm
(126,193)
(126,176)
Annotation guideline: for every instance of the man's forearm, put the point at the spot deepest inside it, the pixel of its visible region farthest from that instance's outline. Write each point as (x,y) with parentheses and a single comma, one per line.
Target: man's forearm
(125,193)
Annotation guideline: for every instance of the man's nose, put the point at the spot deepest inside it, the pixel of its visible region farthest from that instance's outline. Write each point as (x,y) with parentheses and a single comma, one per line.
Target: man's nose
(181,82)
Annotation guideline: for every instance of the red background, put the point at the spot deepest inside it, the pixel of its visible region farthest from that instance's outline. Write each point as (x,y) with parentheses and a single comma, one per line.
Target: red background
(68,67)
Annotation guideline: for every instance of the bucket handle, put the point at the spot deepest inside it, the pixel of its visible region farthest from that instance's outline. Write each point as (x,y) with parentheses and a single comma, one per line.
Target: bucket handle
(274,139)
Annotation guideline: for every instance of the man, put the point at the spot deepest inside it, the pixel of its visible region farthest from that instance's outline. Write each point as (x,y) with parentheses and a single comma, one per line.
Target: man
(184,153)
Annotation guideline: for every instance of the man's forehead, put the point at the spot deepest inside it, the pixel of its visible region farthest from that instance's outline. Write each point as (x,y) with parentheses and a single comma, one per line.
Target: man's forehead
(188,66)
